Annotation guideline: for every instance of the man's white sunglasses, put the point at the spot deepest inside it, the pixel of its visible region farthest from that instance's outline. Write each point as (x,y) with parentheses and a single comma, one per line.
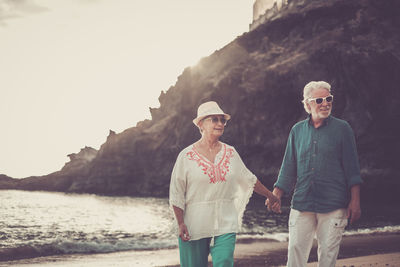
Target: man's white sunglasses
(319,100)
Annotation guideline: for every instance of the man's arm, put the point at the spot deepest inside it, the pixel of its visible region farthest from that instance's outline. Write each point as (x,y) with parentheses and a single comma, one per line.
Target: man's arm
(354,210)
(288,171)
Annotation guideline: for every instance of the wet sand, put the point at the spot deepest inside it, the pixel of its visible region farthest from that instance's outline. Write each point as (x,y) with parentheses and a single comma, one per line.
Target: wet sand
(362,250)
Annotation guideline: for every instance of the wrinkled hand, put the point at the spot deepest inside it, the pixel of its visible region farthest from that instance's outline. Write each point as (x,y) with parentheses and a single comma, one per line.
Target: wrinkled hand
(273,203)
(353,211)
(183,232)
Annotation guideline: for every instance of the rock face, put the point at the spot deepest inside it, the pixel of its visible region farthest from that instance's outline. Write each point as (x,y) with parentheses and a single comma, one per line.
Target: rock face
(57,181)
(258,79)
(261,6)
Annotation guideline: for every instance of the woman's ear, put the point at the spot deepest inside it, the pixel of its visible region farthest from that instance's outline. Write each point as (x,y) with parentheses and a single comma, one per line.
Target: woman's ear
(199,125)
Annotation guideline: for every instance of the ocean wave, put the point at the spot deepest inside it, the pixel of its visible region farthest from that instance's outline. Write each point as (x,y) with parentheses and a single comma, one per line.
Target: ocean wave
(284,237)
(279,237)
(62,246)
(65,246)
(374,230)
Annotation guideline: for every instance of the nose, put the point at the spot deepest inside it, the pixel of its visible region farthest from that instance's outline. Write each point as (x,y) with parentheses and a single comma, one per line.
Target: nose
(324,102)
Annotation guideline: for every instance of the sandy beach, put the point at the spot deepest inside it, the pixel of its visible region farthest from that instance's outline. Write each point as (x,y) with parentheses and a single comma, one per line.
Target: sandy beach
(361,250)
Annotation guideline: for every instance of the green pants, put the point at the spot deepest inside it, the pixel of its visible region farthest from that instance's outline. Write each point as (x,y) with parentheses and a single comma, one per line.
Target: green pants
(195,253)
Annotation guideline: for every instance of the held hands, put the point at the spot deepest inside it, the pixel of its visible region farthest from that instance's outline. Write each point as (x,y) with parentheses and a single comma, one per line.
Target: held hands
(273,202)
(183,232)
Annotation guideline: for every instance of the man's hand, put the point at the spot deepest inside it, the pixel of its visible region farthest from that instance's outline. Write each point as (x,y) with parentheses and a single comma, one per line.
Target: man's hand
(353,211)
(183,232)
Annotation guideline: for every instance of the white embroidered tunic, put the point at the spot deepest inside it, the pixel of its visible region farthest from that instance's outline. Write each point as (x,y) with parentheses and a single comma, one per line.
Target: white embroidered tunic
(212,195)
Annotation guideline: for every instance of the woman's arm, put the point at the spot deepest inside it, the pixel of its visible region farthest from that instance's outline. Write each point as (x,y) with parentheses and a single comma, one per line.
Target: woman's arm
(183,231)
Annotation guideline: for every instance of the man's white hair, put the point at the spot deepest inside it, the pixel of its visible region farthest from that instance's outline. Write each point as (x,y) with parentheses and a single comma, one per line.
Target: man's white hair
(309,88)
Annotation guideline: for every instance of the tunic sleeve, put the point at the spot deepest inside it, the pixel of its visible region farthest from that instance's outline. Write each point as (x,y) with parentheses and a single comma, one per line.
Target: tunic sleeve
(177,189)
(246,181)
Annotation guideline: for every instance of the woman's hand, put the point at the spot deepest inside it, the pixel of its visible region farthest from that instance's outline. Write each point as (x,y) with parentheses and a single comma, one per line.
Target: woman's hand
(183,232)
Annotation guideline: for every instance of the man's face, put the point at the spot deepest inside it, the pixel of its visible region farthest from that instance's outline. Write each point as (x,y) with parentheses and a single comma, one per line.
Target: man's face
(322,110)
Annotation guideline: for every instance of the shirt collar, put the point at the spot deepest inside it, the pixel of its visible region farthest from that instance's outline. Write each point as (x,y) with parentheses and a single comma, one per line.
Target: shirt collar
(326,121)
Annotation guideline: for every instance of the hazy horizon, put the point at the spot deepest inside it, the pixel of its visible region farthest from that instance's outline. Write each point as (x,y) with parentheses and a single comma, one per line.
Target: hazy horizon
(74,69)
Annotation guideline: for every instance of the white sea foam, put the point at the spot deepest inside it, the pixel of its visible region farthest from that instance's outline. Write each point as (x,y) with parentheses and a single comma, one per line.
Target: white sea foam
(280,237)
(374,230)
(68,246)
(284,237)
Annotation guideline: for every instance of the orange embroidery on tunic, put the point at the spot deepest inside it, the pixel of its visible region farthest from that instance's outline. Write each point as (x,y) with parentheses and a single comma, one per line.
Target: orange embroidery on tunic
(217,172)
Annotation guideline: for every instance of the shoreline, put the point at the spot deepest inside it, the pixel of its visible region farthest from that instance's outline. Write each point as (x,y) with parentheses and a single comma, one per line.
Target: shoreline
(356,250)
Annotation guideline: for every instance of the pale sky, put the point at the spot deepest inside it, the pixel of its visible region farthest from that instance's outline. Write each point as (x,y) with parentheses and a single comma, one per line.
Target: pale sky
(71,70)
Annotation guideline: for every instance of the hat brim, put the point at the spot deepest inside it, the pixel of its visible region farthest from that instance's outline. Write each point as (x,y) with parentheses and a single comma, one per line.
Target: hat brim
(198,119)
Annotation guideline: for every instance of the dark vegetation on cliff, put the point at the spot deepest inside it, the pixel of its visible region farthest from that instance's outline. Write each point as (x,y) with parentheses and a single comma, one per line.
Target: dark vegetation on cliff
(258,79)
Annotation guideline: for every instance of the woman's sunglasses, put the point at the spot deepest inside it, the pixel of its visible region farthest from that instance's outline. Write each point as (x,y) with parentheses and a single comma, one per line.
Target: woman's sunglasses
(215,120)
(319,100)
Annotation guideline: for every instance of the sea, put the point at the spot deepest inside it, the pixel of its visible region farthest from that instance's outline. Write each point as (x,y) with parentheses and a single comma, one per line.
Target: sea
(37,223)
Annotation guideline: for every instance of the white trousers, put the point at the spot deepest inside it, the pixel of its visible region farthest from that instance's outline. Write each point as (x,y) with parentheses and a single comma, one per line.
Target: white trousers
(328,228)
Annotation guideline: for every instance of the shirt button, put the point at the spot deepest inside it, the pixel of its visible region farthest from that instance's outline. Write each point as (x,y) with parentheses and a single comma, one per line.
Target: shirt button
(315,142)
(313,155)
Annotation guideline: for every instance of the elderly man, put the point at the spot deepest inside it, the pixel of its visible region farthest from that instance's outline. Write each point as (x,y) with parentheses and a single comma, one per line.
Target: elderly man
(321,160)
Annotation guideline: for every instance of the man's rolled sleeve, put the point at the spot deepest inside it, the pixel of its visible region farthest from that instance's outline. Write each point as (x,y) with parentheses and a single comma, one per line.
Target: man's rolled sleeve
(350,161)
(288,172)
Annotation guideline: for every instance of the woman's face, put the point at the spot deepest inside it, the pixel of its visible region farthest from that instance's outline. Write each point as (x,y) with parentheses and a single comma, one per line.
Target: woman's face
(213,125)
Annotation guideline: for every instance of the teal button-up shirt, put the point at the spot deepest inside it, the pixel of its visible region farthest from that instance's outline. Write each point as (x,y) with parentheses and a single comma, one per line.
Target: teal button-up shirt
(322,163)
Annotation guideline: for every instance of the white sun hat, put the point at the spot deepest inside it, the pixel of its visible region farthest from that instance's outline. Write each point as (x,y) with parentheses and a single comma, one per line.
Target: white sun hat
(207,109)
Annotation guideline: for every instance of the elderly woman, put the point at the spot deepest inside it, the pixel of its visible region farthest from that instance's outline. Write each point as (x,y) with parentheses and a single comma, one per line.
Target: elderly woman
(210,188)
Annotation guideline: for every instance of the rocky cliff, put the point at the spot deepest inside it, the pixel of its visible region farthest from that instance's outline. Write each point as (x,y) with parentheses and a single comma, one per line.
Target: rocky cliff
(258,79)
